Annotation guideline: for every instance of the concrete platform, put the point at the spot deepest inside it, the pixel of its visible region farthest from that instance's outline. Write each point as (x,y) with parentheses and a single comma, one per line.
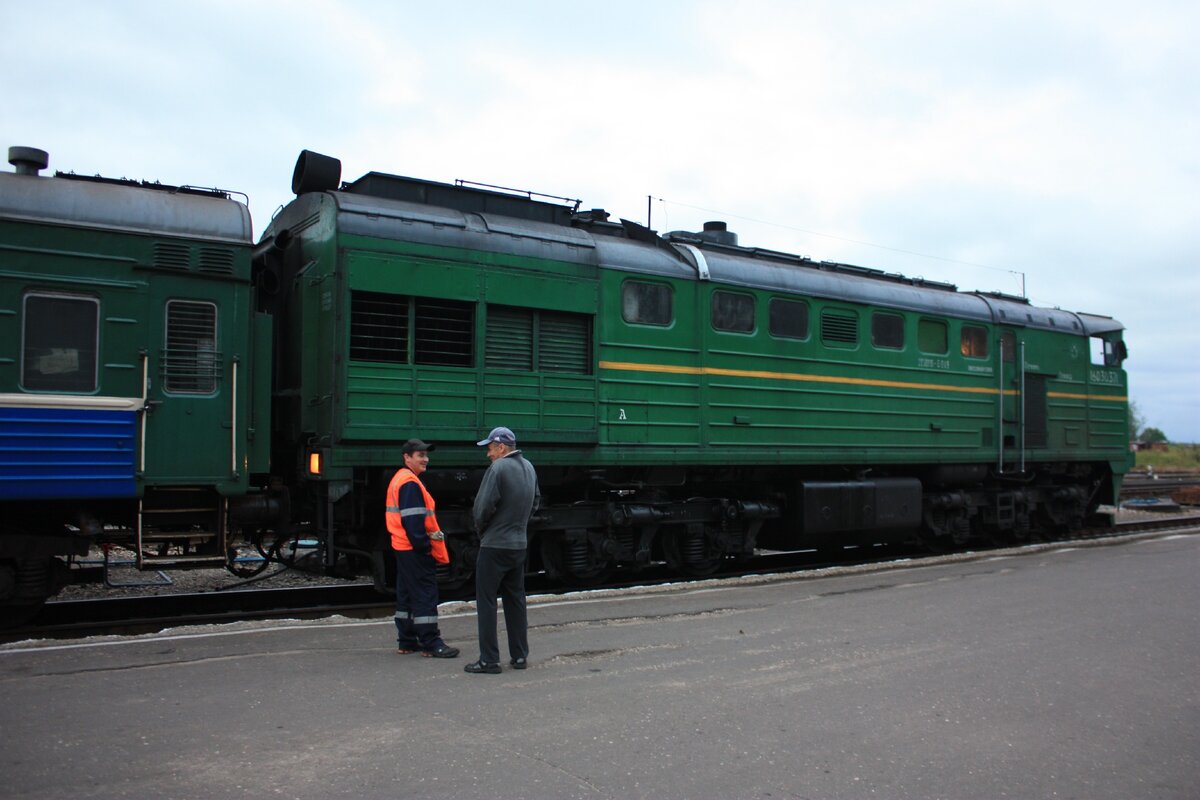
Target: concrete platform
(1064,673)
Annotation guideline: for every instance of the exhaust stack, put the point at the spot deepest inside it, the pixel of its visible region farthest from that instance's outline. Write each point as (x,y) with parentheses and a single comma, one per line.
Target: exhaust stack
(28,160)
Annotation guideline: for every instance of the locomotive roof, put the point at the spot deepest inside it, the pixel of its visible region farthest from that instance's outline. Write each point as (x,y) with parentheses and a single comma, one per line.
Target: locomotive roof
(395,207)
(124,206)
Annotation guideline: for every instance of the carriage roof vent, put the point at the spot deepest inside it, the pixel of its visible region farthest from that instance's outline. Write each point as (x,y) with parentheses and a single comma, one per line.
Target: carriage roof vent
(28,160)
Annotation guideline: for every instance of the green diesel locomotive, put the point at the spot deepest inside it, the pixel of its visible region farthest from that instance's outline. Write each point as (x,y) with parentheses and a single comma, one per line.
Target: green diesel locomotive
(683,397)
(166,384)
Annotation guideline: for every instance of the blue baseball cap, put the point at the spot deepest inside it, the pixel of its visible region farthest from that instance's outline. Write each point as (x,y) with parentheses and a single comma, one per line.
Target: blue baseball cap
(501,435)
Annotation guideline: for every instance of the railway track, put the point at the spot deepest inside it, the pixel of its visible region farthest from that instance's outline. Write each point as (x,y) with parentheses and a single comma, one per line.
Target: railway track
(151,613)
(1160,485)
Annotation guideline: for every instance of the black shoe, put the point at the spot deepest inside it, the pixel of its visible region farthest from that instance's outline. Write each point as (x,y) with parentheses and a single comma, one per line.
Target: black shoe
(441,651)
(478,667)
(518,663)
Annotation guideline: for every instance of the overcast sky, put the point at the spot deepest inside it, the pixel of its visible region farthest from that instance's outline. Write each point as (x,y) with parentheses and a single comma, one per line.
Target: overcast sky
(988,144)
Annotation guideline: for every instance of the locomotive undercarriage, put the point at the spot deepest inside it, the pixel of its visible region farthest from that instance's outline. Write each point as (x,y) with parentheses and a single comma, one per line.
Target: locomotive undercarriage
(589,528)
(628,521)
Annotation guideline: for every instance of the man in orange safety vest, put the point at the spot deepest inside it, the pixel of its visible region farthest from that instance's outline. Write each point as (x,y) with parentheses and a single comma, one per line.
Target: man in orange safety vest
(420,546)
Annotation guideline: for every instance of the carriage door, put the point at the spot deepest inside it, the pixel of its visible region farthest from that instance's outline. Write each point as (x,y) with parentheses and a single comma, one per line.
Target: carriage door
(186,439)
(187,436)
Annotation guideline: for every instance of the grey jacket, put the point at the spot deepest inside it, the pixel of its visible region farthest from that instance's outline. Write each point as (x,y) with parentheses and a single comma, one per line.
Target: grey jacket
(507,497)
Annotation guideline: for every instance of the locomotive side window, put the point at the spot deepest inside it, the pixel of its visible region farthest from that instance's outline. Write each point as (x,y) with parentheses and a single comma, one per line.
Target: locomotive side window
(646,303)
(787,319)
(887,331)
(974,343)
(519,338)
(190,361)
(933,337)
(839,328)
(60,345)
(732,312)
(378,327)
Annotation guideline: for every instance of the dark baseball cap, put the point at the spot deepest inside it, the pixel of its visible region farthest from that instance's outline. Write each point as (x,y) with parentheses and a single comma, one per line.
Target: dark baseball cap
(501,435)
(417,446)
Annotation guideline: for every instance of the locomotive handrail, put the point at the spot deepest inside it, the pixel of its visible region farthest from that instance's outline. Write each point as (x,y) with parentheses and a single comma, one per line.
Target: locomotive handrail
(142,439)
(233,436)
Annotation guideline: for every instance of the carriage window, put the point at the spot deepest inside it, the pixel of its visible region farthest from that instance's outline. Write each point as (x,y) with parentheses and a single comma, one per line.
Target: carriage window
(733,312)
(932,337)
(974,342)
(646,303)
(788,319)
(1008,340)
(190,361)
(887,330)
(61,337)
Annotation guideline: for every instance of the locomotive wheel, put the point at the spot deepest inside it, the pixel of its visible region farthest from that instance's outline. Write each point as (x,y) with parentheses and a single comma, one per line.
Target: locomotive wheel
(691,552)
(574,562)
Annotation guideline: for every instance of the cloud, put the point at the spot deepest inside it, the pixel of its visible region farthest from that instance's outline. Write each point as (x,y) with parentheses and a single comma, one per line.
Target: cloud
(1055,140)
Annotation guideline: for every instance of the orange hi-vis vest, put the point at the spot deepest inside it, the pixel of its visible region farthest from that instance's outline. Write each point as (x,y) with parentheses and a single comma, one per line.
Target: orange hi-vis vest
(395,517)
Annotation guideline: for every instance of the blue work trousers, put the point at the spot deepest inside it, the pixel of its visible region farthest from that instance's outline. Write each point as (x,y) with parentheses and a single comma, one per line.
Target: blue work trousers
(416,601)
(501,571)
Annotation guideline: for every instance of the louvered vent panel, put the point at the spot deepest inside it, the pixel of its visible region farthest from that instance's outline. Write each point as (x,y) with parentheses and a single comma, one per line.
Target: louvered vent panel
(443,333)
(216,260)
(839,327)
(379,327)
(171,256)
(564,343)
(509,338)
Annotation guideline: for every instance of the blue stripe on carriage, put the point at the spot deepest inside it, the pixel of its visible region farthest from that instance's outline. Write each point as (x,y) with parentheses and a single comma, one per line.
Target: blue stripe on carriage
(48,453)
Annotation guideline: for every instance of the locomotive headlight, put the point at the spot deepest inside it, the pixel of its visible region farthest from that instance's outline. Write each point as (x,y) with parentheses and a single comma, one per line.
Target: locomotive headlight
(314,463)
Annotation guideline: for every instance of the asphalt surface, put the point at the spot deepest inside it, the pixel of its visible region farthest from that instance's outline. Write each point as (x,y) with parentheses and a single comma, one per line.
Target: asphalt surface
(1070,673)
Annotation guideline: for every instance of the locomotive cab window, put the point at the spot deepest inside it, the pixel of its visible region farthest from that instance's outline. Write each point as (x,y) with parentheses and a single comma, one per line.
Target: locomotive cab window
(190,360)
(932,337)
(646,303)
(787,319)
(732,312)
(974,342)
(1107,353)
(887,331)
(60,343)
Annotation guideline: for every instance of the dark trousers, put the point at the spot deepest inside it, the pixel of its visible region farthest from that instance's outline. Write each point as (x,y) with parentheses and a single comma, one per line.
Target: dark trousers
(416,601)
(501,571)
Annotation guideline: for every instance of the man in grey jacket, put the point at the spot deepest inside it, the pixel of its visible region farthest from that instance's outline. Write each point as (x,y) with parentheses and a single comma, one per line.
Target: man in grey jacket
(507,497)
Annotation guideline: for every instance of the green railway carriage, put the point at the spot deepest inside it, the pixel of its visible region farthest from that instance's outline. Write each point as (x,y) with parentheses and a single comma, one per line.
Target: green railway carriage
(681,396)
(132,407)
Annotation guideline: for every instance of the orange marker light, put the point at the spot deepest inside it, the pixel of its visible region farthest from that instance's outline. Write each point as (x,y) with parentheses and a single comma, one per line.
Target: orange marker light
(314,463)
